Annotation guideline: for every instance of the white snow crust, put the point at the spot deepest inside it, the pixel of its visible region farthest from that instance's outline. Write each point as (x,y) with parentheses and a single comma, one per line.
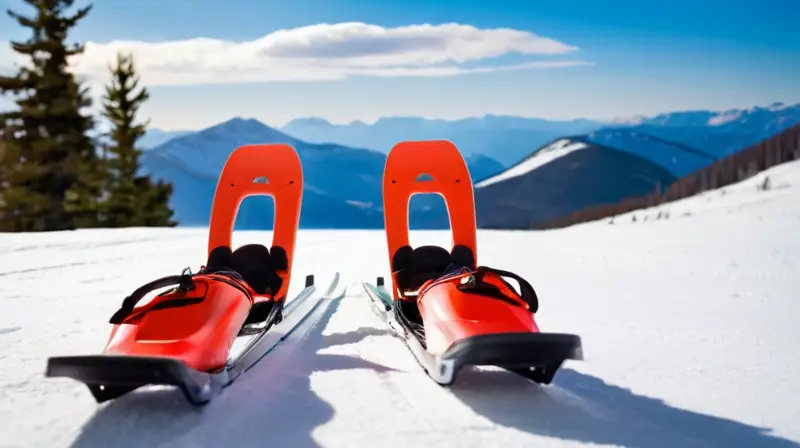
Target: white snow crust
(690,325)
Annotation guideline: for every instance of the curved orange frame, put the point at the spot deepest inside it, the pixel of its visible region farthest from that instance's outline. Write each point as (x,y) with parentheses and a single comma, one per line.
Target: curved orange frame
(280,165)
(440,159)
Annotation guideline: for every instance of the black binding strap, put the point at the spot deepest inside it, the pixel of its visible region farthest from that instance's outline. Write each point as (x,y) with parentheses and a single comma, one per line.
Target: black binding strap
(184,282)
(478,286)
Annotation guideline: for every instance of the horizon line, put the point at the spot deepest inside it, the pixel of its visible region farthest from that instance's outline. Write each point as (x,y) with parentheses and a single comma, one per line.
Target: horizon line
(603,121)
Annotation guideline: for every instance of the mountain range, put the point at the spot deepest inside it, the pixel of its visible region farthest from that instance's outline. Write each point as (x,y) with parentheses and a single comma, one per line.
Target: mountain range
(343,178)
(503,138)
(508,139)
(342,185)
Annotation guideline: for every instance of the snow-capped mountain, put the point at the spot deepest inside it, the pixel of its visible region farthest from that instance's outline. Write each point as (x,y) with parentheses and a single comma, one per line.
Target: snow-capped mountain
(758,116)
(562,177)
(717,134)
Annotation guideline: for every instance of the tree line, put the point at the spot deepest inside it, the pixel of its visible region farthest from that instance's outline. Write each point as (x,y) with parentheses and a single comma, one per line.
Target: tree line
(54,173)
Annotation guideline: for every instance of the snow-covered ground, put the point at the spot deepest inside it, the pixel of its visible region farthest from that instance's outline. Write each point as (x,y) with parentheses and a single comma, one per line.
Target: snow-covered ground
(690,328)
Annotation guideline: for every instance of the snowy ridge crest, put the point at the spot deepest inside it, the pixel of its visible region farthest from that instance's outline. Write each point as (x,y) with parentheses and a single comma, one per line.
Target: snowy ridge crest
(549,153)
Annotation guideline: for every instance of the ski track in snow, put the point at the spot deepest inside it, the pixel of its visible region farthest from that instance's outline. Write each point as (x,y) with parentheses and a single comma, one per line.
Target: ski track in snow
(689,327)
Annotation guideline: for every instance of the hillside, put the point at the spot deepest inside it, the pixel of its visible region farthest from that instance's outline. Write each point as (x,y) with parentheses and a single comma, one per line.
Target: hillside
(565,176)
(155,137)
(679,159)
(342,184)
(783,187)
(689,327)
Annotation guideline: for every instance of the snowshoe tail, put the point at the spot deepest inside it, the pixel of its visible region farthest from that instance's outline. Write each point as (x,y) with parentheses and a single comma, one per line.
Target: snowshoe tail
(109,376)
(535,356)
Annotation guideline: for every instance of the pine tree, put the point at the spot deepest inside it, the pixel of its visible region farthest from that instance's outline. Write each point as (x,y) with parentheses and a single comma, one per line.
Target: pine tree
(6,166)
(132,200)
(52,172)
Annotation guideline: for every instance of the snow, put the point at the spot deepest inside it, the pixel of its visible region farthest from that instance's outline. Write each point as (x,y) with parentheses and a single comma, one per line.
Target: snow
(540,158)
(632,120)
(689,327)
(725,117)
(775,107)
(784,187)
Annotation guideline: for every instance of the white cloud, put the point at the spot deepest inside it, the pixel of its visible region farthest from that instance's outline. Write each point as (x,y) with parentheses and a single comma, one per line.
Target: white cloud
(7,57)
(324,52)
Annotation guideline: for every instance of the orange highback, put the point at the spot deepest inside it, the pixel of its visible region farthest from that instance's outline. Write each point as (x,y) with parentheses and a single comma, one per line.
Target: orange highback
(440,159)
(243,175)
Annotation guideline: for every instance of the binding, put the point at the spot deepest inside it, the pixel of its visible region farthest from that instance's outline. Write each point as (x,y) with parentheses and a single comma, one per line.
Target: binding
(450,310)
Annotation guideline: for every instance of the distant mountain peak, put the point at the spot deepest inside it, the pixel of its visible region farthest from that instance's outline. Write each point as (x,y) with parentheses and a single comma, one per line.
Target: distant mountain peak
(542,156)
(241,124)
(248,129)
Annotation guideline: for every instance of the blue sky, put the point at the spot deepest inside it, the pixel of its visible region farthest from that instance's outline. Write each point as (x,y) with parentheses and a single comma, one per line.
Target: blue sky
(632,57)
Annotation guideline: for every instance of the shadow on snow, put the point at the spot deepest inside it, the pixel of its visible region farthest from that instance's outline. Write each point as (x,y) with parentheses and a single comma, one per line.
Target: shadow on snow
(273,404)
(270,405)
(584,408)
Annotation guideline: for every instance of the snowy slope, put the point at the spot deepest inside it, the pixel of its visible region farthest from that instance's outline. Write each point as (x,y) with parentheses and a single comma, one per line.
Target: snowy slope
(784,182)
(541,157)
(565,176)
(689,328)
